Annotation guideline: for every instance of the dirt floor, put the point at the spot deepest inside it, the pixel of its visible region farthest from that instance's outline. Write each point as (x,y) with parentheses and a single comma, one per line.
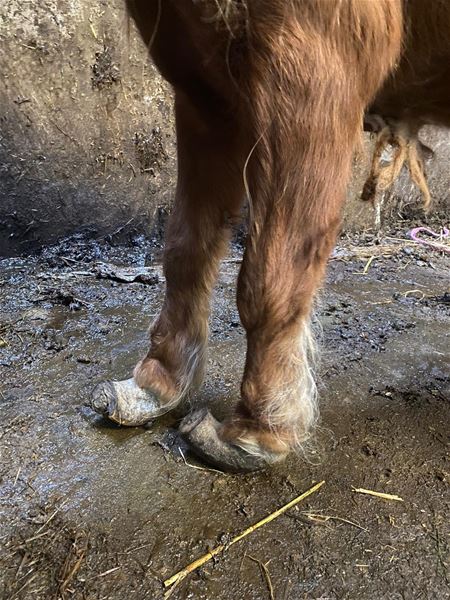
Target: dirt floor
(93,511)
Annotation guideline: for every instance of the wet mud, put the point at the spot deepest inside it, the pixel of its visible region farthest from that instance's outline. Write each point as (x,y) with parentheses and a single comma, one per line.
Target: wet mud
(91,510)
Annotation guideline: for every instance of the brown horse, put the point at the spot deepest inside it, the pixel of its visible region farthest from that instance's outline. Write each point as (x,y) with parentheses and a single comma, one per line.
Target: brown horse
(270,99)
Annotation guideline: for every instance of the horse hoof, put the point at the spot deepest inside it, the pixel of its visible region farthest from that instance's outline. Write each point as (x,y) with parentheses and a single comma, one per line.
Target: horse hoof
(202,431)
(124,402)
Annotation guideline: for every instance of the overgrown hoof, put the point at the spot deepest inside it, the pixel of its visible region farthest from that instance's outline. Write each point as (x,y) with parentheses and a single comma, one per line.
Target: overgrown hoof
(202,431)
(124,402)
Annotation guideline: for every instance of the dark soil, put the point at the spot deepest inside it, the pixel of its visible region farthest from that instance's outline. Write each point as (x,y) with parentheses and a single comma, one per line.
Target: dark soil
(90,510)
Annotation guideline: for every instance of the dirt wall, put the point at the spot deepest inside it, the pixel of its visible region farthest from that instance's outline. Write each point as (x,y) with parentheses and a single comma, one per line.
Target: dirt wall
(86,129)
(86,125)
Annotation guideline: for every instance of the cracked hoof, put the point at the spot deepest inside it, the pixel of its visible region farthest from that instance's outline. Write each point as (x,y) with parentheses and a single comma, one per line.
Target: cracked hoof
(201,430)
(124,402)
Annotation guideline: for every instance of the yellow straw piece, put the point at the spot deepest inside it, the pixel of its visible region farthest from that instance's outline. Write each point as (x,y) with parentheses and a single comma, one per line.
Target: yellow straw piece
(378,494)
(218,549)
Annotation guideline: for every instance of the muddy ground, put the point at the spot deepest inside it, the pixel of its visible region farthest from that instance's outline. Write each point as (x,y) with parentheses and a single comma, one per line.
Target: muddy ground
(90,510)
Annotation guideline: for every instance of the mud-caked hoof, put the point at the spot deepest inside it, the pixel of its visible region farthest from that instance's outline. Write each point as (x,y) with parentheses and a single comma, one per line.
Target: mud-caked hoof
(124,402)
(202,431)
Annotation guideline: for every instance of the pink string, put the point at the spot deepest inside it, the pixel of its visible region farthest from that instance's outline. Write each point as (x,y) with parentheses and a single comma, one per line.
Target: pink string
(445,233)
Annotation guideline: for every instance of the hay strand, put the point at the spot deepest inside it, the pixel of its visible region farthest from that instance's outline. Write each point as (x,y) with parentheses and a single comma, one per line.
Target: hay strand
(178,577)
(378,494)
(266,574)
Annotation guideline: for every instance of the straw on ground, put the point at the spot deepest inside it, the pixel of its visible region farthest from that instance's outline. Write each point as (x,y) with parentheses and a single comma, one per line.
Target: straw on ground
(378,494)
(178,577)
